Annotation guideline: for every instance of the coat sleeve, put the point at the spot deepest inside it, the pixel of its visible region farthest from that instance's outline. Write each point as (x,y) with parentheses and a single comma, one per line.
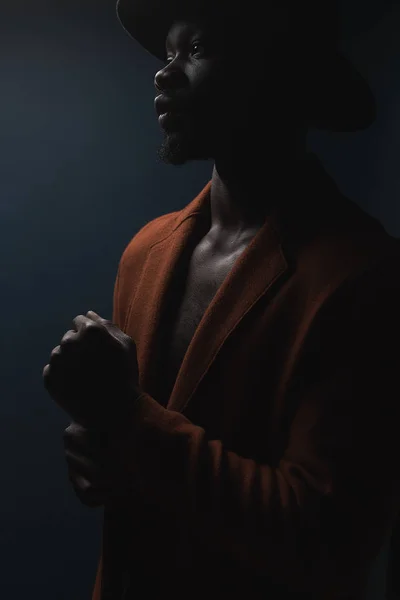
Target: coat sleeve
(322,513)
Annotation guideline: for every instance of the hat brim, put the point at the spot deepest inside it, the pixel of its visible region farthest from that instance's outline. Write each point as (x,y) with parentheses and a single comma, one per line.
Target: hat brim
(344,102)
(148,22)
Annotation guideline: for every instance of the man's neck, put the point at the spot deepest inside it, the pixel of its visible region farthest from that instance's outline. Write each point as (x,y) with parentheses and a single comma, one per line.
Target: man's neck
(244,191)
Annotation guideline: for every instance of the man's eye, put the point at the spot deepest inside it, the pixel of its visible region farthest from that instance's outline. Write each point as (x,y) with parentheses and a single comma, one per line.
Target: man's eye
(197,49)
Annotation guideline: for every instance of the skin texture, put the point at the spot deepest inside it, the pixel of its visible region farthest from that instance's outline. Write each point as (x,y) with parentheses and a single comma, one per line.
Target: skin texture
(230,98)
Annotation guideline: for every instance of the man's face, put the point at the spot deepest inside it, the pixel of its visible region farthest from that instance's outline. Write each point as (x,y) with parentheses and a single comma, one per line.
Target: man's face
(226,86)
(189,92)
(206,91)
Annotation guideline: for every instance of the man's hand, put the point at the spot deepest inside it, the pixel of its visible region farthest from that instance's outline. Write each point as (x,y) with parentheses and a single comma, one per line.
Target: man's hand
(89,466)
(93,373)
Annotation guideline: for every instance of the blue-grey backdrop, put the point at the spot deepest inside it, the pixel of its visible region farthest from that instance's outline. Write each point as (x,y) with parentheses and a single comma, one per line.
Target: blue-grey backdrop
(78,178)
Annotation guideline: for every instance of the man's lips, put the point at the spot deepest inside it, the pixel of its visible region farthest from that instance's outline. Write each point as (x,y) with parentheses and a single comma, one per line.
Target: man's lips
(163,105)
(170,112)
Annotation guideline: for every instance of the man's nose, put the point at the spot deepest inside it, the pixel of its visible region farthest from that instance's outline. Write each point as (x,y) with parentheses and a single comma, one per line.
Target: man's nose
(169,79)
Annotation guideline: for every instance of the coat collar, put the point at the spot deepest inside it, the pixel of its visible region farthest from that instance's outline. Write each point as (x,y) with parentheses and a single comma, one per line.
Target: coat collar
(263,266)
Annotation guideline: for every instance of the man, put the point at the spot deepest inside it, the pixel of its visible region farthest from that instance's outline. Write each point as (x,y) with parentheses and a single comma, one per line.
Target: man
(238,418)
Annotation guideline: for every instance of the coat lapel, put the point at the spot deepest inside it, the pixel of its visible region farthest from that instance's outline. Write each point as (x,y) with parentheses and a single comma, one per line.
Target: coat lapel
(260,266)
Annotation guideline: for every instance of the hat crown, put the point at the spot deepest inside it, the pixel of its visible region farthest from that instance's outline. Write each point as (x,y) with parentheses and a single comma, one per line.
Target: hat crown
(309,21)
(344,101)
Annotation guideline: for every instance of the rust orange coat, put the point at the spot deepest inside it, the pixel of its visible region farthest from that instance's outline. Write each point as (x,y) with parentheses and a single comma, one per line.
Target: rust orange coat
(274,460)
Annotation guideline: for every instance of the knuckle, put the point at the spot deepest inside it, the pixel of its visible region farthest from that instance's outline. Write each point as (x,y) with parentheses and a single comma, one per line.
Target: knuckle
(89,492)
(67,435)
(68,338)
(80,481)
(70,458)
(92,326)
(70,430)
(85,485)
(81,486)
(56,352)
(73,433)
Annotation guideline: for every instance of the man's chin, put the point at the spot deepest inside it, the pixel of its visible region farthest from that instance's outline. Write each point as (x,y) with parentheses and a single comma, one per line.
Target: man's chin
(177,149)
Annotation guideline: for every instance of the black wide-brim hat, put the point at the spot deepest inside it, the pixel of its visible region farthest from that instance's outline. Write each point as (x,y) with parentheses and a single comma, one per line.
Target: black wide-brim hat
(345,101)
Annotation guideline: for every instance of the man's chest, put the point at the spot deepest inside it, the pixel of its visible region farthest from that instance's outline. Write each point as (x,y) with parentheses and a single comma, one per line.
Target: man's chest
(206,272)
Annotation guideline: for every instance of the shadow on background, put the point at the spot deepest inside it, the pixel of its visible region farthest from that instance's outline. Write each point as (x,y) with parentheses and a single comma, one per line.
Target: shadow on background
(78,178)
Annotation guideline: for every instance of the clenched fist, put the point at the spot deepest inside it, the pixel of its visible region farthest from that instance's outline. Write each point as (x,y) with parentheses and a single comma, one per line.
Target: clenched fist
(93,373)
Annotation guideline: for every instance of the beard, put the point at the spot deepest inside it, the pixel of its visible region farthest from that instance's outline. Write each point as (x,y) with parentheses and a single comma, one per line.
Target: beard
(173,150)
(178,149)
(207,138)
(189,140)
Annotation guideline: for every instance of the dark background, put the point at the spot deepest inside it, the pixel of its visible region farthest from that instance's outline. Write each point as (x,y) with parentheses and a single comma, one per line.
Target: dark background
(78,178)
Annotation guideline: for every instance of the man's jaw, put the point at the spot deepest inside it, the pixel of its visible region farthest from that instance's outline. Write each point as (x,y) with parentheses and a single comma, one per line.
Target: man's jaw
(177,149)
